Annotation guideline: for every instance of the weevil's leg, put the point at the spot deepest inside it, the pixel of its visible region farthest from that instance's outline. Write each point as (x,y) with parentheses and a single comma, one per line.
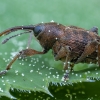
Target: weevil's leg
(68,57)
(67,65)
(26,52)
(98,49)
(94,29)
(30,39)
(65,51)
(9,65)
(90,48)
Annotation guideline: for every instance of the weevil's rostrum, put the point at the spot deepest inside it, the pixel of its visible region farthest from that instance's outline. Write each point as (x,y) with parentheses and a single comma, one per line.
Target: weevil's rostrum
(69,44)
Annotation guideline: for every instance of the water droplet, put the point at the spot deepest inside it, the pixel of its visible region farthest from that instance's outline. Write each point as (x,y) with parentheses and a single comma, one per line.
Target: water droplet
(40,73)
(20,63)
(96,73)
(88,71)
(1,90)
(22,74)
(51,68)
(4,84)
(7,80)
(52,20)
(2,80)
(38,69)
(57,23)
(43,86)
(48,30)
(80,75)
(87,31)
(48,76)
(29,64)
(56,38)
(56,72)
(33,65)
(54,76)
(31,71)
(13,80)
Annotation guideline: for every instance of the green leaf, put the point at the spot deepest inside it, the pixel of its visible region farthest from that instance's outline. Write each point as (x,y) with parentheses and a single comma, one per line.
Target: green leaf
(37,72)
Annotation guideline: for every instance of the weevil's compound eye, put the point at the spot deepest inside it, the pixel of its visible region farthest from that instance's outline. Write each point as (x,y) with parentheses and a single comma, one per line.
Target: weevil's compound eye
(38,29)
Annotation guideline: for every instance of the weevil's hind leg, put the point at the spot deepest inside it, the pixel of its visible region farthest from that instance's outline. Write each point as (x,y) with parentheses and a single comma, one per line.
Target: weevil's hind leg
(26,52)
(65,51)
(90,48)
(98,55)
(67,64)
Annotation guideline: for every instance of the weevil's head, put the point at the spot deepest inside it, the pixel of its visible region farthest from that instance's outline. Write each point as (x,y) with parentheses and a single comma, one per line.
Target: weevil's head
(47,34)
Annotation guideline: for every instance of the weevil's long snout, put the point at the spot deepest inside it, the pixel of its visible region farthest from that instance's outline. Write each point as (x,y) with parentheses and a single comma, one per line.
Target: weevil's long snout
(30,27)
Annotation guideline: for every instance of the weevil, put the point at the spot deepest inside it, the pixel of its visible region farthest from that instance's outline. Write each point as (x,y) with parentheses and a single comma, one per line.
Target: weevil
(69,44)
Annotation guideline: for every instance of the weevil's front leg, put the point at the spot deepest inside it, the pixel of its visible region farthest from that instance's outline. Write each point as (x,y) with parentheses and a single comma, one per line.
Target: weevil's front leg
(26,52)
(89,49)
(30,39)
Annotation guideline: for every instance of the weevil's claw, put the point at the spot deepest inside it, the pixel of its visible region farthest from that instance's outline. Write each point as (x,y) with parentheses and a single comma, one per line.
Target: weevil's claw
(66,76)
(3,72)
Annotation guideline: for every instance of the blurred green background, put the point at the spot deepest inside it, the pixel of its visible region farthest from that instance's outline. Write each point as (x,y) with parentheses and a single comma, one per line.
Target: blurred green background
(80,13)
(68,12)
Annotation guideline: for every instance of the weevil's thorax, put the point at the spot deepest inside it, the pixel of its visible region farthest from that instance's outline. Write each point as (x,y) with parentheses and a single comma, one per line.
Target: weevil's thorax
(50,34)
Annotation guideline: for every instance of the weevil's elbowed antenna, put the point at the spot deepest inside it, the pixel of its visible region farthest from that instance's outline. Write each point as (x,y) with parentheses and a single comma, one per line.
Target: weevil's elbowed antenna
(6,32)
(27,29)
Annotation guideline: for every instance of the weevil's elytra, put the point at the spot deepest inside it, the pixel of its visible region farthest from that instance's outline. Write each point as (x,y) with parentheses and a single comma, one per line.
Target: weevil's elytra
(69,44)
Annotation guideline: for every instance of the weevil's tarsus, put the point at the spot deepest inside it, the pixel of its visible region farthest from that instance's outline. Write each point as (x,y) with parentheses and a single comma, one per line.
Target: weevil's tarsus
(3,72)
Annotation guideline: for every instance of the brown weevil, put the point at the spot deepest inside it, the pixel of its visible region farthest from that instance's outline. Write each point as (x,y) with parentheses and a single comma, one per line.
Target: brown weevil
(69,44)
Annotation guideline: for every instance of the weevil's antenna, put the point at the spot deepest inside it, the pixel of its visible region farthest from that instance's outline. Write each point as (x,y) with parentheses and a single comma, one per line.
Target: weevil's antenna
(4,41)
(6,32)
